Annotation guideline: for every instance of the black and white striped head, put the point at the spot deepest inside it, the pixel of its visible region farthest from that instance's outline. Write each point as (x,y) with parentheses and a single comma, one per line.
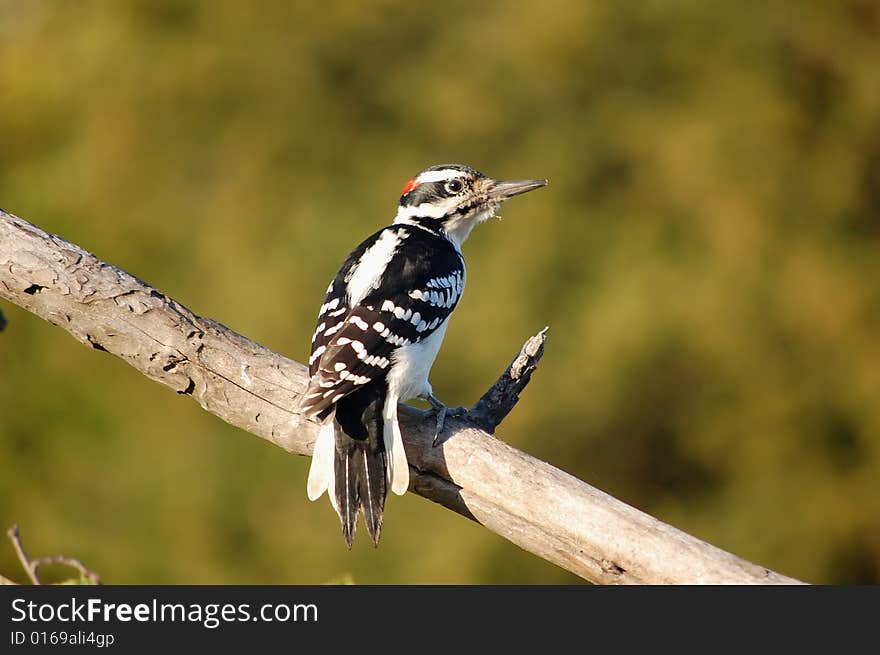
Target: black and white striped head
(451,199)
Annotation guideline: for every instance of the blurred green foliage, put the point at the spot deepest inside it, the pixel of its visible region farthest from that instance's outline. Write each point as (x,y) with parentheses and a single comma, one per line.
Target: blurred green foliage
(706,256)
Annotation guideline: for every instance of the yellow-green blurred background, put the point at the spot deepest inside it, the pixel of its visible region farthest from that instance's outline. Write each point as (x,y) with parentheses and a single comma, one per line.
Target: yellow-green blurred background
(706,256)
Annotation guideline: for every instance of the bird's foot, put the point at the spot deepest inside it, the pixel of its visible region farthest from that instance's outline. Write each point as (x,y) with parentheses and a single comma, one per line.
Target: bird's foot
(442,412)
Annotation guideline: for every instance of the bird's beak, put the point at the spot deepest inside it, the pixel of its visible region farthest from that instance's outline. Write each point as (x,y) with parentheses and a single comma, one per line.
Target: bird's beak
(500,191)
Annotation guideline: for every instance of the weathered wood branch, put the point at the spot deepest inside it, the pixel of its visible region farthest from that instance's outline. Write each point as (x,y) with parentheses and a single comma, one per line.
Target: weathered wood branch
(536,506)
(494,405)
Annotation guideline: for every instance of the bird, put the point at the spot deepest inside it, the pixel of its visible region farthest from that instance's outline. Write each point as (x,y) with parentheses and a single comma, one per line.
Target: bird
(378,333)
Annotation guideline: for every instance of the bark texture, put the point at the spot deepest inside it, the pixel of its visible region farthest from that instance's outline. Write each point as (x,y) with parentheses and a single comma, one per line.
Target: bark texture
(533,504)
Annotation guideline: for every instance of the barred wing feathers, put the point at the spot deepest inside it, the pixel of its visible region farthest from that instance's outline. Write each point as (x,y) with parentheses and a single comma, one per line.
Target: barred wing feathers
(418,290)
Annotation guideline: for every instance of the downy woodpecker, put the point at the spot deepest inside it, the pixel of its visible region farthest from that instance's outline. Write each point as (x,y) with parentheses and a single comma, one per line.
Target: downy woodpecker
(378,333)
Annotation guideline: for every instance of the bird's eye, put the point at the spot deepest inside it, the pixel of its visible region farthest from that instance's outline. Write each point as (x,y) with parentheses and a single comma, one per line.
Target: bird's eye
(454,186)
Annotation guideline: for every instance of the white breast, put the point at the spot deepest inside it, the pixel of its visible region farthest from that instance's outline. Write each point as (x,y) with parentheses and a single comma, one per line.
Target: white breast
(411,365)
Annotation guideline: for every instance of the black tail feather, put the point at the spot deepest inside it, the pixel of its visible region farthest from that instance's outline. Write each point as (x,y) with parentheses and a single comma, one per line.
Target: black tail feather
(360,464)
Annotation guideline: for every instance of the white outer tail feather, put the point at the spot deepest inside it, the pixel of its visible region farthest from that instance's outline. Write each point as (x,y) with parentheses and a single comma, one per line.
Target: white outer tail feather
(321,472)
(398,467)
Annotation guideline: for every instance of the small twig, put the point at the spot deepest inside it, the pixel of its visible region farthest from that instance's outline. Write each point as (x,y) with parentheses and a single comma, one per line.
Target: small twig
(84,573)
(32,566)
(26,564)
(497,402)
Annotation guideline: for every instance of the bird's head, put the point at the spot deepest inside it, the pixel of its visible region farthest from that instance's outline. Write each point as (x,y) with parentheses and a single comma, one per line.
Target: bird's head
(451,199)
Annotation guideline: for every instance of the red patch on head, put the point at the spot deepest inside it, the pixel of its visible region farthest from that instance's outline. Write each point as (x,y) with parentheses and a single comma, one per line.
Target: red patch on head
(412,184)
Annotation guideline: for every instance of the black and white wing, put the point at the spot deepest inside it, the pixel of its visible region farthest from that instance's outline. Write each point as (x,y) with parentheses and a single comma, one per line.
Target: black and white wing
(330,319)
(413,290)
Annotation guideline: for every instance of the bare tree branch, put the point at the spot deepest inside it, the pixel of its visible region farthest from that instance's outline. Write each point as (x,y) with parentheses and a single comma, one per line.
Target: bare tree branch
(488,412)
(534,505)
(26,564)
(32,567)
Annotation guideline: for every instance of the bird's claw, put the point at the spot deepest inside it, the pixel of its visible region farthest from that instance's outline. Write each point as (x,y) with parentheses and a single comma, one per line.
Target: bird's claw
(442,412)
